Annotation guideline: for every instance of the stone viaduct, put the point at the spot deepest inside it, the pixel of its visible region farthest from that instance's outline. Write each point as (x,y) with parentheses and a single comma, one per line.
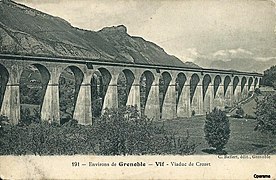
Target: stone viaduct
(185,89)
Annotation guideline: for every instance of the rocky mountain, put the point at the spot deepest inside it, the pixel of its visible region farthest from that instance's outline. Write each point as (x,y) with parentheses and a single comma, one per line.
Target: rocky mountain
(26,31)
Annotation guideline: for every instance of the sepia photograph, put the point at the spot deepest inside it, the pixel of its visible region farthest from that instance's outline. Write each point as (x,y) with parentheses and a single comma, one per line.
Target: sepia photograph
(137,89)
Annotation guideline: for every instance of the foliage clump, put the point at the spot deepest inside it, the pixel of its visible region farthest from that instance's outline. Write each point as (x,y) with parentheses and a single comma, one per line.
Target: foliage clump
(266,114)
(217,129)
(269,78)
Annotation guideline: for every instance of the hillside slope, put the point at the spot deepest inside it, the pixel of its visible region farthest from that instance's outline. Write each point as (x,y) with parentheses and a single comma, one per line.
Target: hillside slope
(26,31)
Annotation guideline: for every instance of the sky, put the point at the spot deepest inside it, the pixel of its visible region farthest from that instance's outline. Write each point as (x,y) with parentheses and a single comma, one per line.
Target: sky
(188,29)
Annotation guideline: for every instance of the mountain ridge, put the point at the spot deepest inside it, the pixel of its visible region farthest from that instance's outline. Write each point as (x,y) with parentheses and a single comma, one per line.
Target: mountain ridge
(27,31)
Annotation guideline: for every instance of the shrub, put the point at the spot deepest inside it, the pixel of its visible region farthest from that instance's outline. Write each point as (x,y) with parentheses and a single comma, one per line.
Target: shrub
(217,129)
(26,117)
(266,114)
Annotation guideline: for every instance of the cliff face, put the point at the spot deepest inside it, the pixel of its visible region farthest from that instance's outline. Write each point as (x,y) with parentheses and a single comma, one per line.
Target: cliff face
(26,31)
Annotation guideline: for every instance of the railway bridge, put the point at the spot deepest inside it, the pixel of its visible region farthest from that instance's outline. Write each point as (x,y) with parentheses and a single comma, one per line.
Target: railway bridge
(184,90)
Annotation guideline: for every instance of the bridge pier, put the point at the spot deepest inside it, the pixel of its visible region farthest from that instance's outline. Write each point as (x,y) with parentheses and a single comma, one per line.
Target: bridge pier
(83,111)
(111,96)
(183,108)
(250,84)
(196,101)
(208,101)
(152,108)
(133,98)
(50,106)
(219,97)
(257,83)
(169,103)
(245,91)
(237,93)
(228,96)
(11,100)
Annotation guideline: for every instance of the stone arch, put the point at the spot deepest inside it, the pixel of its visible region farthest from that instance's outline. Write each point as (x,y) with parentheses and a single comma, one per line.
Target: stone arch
(193,85)
(4,78)
(217,81)
(243,82)
(226,83)
(164,82)
(250,81)
(124,83)
(32,88)
(255,82)
(205,83)
(179,84)
(146,81)
(235,83)
(99,85)
(70,81)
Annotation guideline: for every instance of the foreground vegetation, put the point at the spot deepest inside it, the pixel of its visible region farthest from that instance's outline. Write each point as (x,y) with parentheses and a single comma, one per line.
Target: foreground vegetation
(116,132)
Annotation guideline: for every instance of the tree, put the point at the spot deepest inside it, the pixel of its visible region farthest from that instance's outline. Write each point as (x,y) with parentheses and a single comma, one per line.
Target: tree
(266,115)
(217,129)
(269,78)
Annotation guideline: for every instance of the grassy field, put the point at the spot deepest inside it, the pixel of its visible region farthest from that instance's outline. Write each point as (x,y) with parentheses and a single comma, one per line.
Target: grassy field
(243,138)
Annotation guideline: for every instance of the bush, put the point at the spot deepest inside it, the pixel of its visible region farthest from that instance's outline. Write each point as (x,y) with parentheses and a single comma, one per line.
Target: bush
(217,129)
(26,117)
(266,114)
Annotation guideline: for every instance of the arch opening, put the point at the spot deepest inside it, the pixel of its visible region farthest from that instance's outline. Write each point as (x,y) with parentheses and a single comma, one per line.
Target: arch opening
(235,83)
(124,83)
(243,82)
(227,81)
(164,82)
(32,88)
(206,82)
(70,81)
(179,84)
(255,82)
(217,82)
(4,78)
(146,81)
(99,85)
(250,81)
(193,85)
